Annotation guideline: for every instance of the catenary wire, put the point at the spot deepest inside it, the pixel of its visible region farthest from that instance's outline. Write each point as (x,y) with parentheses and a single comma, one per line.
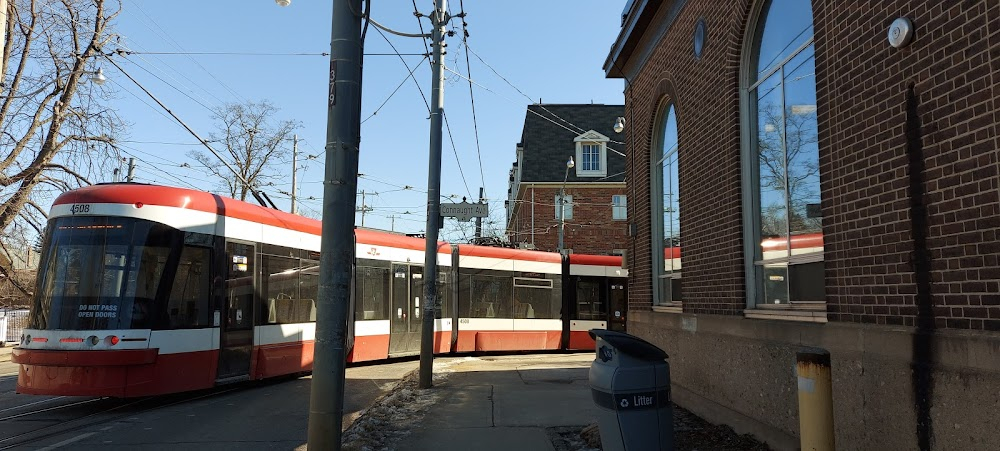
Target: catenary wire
(176,45)
(472,98)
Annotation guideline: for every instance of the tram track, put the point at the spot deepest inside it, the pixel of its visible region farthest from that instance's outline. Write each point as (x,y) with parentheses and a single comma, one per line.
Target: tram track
(106,411)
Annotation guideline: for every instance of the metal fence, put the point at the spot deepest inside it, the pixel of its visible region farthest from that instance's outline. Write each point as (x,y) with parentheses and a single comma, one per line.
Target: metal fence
(17,320)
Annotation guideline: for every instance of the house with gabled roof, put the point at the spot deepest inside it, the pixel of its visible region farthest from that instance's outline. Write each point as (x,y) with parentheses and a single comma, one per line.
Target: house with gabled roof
(594,219)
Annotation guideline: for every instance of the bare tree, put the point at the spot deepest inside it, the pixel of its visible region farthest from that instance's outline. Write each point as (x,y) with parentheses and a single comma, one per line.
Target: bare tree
(55,131)
(493,231)
(254,145)
(791,169)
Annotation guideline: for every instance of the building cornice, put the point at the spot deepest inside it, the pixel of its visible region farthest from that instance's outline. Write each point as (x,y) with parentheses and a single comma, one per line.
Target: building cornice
(637,40)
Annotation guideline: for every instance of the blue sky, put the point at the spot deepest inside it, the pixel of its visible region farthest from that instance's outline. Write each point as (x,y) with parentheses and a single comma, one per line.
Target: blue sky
(552,50)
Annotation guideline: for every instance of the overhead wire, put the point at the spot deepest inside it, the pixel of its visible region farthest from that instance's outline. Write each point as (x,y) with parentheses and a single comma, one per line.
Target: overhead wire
(131,52)
(451,138)
(175,88)
(176,45)
(472,98)
(418,15)
(529,109)
(422,95)
(581,130)
(405,79)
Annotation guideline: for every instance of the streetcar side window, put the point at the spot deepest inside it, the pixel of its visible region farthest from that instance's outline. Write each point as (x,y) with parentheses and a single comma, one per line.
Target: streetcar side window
(372,295)
(590,301)
(286,302)
(444,280)
(309,284)
(187,306)
(485,294)
(533,298)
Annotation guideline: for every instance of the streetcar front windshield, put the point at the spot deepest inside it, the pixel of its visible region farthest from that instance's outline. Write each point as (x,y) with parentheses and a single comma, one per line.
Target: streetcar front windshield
(102,273)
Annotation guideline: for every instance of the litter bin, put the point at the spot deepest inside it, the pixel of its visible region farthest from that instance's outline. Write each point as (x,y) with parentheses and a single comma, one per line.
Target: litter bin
(630,384)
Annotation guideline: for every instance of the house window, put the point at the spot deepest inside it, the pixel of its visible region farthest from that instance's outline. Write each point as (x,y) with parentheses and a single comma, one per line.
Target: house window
(567,204)
(618,210)
(783,220)
(591,155)
(591,158)
(666,210)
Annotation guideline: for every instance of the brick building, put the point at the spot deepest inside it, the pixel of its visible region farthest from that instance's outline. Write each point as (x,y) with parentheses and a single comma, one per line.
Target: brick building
(595,219)
(837,186)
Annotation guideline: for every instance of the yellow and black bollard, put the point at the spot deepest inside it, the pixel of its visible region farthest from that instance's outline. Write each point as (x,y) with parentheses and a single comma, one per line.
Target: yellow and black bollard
(815,400)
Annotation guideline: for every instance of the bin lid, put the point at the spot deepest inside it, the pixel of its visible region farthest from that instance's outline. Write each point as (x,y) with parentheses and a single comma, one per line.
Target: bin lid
(630,344)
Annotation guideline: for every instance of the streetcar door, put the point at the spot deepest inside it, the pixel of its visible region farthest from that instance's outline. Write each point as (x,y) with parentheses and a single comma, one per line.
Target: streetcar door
(407,291)
(236,336)
(619,304)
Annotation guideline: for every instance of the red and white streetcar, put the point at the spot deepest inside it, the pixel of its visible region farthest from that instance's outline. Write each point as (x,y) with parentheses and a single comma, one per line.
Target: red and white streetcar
(146,290)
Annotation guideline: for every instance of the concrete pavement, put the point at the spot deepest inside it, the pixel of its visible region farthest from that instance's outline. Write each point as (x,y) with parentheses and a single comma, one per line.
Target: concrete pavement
(483,403)
(538,402)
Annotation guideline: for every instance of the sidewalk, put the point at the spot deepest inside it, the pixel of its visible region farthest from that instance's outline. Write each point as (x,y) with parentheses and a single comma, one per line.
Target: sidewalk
(519,402)
(5,352)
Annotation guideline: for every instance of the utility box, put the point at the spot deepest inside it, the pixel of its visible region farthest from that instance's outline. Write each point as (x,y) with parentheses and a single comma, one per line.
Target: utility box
(630,384)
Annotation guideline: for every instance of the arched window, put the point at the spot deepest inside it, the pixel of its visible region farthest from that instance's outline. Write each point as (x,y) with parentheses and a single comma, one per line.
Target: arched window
(781,157)
(666,210)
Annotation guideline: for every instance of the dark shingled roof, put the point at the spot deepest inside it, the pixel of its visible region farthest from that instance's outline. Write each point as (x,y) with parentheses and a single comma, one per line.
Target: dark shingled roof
(548,136)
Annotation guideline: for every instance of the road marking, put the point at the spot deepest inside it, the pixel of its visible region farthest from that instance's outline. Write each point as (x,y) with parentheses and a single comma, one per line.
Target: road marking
(31,403)
(67,441)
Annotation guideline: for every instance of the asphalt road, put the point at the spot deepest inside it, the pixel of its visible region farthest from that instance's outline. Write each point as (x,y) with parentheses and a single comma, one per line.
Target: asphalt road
(271,415)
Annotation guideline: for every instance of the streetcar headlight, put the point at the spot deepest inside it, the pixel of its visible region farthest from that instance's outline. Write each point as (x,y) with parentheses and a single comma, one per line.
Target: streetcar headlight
(25,339)
(93,340)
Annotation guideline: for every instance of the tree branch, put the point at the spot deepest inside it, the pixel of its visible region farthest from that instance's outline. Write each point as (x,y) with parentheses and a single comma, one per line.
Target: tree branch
(69,171)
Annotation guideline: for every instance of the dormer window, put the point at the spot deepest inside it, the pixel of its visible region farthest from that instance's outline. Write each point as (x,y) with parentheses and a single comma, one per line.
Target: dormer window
(592,153)
(591,158)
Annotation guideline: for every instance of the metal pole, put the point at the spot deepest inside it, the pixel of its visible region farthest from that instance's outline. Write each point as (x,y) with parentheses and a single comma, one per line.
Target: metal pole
(295,154)
(815,399)
(479,220)
(364,207)
(131,170)
(562,220)
(562,204)
(532,215)
(340,184)
(439,19)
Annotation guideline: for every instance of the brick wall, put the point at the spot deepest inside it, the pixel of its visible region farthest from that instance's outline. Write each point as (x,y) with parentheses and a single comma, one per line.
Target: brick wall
(873,227)
(591,231)
(706,95)
(866,159)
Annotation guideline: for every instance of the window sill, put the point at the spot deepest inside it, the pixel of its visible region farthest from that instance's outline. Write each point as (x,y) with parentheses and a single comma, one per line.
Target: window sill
(798,306)
(787,314)
(675,307)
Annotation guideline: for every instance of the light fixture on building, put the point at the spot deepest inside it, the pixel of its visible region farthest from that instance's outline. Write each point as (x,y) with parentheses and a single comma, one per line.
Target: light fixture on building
(283,3)
(619,124)
(900,32)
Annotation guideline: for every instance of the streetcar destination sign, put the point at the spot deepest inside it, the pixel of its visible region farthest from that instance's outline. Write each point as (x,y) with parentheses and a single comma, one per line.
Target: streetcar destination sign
(464,211)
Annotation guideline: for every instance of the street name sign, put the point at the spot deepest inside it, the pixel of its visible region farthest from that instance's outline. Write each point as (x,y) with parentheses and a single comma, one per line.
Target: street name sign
(464,211)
